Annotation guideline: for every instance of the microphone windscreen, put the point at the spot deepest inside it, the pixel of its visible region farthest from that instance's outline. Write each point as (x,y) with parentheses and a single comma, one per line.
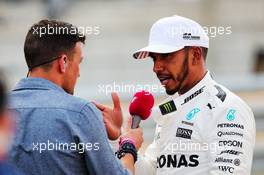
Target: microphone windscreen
(141,104)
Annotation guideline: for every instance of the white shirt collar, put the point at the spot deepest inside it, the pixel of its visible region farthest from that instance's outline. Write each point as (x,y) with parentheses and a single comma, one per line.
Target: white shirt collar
(184,98)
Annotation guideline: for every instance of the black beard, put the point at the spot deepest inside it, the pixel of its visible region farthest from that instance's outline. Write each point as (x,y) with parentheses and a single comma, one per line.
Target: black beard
(172,92)
(180,79)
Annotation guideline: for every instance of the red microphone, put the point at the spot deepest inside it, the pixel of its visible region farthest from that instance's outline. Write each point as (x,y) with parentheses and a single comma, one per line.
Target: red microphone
(140,107)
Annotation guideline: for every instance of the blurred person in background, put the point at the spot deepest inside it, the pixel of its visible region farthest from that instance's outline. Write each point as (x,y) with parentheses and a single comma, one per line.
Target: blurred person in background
(6,132)
(57,132)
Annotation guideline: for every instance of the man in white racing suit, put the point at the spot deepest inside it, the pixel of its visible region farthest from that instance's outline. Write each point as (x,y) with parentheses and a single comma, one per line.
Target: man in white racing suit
(202,128)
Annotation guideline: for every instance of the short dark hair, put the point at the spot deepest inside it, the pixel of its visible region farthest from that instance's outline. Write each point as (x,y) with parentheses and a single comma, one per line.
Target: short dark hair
(3,97)
(47,39)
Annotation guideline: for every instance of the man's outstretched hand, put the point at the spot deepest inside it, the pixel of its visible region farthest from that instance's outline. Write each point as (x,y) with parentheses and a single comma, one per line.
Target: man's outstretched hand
(113,118)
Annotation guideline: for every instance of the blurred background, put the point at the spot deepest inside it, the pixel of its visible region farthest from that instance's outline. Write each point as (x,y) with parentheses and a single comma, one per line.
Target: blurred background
(117,28)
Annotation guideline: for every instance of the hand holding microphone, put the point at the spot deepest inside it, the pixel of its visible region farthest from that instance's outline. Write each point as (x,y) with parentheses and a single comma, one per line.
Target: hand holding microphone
(140,109)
